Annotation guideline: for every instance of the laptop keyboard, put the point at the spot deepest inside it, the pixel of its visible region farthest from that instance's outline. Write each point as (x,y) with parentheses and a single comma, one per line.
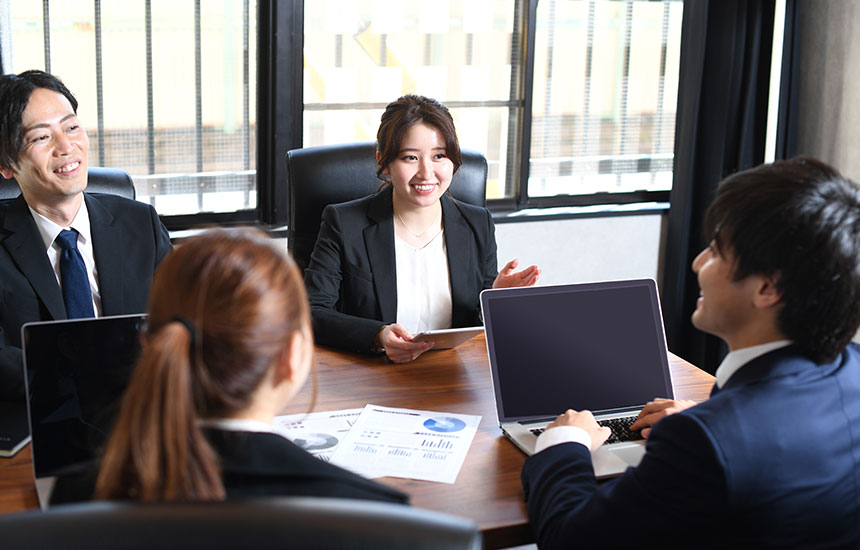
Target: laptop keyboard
(620,429)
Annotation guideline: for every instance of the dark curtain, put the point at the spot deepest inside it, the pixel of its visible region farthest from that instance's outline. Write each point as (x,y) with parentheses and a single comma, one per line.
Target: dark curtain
(720,129)
(786,131)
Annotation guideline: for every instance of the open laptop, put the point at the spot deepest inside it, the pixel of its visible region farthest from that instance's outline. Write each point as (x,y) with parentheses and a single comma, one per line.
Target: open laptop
(596,346)
(76,372)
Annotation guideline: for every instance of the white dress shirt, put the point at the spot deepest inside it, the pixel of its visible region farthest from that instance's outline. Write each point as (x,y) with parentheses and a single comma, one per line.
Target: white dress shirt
(738,358)
(730,365)
(423,285)
(49,231)
(562,434)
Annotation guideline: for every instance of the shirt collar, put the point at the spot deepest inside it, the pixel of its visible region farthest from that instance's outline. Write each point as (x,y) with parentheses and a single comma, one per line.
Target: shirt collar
(49,230)
(236,424)
(738,358)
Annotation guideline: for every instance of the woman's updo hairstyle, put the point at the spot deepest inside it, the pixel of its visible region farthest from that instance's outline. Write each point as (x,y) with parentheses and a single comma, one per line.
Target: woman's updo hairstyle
(401,115)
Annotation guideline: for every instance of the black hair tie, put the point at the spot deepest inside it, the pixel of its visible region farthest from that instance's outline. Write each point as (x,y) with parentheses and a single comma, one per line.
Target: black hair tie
(189,326)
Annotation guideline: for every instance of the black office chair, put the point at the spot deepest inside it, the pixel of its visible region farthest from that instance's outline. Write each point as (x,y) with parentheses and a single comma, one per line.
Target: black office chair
(329,174)
(99,180)
(278,522)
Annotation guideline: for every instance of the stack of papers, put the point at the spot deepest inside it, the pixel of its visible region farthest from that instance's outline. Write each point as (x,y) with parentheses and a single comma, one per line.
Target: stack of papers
(384,441)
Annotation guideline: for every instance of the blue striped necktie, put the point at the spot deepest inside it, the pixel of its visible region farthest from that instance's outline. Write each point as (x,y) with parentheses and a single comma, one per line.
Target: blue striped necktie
(73,277)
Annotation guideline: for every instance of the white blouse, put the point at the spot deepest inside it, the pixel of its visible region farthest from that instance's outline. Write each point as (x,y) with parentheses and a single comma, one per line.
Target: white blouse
(423,285)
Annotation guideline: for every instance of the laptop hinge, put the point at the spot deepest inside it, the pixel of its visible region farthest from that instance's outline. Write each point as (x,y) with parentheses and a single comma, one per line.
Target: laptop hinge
(543,420)
(620,410)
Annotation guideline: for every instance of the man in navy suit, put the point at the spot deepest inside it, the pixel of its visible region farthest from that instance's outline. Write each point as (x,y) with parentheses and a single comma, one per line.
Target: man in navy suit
(45,148)
(772,459)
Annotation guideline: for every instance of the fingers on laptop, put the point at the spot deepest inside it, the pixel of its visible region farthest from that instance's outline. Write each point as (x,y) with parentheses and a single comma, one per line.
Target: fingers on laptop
(654,411)
(584,420)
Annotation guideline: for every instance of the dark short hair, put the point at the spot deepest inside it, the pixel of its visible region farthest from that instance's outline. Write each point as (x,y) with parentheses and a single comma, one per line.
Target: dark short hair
(798,219)
(401,115)
(15,91)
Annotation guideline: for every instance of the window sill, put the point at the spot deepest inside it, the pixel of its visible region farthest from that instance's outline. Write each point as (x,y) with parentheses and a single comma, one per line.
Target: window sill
(276,232)
(573,212)
(501,216)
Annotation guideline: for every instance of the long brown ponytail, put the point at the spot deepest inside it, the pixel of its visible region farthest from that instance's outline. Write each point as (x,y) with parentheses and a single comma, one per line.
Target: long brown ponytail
(223,306)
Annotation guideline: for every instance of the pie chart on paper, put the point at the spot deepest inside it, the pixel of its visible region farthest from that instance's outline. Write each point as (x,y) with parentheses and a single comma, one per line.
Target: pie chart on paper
(444,424)
(316,442)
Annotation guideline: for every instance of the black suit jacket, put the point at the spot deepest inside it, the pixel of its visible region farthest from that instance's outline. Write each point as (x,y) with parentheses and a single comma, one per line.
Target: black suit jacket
(770,461)
(352,280)
(128,243)
(260,464)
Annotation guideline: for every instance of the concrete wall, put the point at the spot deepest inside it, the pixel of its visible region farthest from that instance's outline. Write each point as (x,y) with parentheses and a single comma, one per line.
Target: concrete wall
(586,249)
(829,83)
(828,103)
(582,249)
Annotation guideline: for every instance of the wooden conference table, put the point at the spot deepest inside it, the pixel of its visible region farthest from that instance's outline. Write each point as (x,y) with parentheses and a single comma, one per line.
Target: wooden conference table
(487,489)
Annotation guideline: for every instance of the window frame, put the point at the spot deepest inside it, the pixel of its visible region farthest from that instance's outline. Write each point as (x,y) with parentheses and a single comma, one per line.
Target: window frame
(280,27)
(525,21)
(280,113)
(521,199)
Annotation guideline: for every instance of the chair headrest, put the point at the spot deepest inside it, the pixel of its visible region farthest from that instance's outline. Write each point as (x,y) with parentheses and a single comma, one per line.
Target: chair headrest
(274,522)
(111,181)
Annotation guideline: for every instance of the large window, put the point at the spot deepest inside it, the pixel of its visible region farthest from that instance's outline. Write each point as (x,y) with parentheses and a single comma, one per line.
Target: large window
(571,101)
(604,95)
(166,90)
(361,55)
(564,97)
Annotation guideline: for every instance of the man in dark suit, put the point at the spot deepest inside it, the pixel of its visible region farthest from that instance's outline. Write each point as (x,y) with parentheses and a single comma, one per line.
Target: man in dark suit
(772,459)
(119,241)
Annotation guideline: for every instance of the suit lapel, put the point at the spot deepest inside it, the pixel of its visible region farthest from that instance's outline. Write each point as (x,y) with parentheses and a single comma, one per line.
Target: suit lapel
(379,244)
(107,249)
(24,244)
(459,243)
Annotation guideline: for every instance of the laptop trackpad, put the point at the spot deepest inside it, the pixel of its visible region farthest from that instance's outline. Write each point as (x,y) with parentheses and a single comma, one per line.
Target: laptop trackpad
(614,460)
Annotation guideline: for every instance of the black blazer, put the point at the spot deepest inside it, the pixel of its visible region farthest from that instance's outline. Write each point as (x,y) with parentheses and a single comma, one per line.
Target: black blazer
(352,280)
(260,464)
(769,461)
(128,243)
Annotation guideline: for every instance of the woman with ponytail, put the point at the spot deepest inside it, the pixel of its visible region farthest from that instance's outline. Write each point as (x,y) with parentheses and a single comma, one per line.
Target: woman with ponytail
(228,344)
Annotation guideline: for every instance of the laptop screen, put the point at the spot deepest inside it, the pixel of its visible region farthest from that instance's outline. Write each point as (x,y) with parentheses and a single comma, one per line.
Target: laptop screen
(76,373)
(595,346)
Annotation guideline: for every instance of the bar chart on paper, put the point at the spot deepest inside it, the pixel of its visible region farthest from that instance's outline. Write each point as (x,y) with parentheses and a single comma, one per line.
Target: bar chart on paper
(426,445)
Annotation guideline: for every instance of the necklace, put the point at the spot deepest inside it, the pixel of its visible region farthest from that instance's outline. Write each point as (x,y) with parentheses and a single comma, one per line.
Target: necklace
(416,235)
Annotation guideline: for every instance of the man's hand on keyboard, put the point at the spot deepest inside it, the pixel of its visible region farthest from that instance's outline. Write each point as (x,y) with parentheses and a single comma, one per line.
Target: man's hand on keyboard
(657,409)
(585,420)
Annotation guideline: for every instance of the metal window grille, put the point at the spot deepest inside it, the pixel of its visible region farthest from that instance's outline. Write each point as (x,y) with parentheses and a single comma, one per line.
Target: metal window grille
(617,137)
(188,141)
(538,141)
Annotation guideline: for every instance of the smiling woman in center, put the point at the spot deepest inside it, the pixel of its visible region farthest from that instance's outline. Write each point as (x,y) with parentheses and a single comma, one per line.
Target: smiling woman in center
(410,257)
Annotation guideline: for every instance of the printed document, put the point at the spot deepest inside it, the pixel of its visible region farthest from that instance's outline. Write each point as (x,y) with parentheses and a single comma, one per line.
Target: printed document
(427,445)
(318,433)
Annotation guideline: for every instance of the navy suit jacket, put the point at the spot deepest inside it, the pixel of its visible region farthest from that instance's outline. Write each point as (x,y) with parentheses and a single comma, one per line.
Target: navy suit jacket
(771,460)
(352,280)
(257,464)
(128,243)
